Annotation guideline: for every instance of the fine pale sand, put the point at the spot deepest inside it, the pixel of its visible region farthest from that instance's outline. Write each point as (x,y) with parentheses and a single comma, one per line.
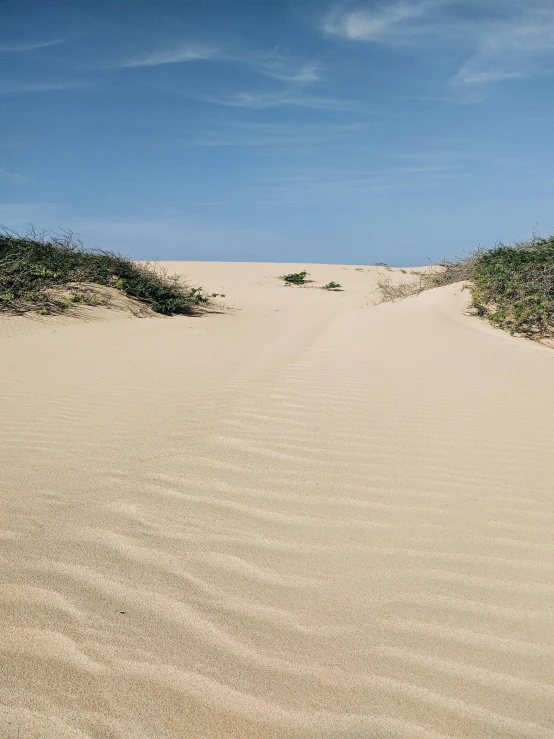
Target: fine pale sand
(307,518)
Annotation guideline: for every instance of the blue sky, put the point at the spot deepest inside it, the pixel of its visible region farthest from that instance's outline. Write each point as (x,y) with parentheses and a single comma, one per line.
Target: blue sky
(279,130)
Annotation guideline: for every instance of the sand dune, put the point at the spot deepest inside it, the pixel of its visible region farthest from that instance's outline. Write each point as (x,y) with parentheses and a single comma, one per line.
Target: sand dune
(306,518)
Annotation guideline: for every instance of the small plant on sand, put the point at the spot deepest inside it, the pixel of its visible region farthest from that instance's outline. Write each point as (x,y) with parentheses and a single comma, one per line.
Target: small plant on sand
(51,274)
(296,278)
(332,286)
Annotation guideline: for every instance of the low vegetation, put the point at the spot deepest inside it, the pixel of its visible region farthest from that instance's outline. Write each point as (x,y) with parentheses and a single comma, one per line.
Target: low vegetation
(55,273)
(295,278)
(512,286)
(299,278)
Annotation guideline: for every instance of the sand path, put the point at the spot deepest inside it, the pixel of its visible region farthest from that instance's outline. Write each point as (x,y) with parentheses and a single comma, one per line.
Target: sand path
(311,518)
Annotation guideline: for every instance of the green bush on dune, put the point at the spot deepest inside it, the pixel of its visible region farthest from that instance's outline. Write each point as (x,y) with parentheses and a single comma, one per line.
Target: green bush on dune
(512,286)
(295,278)
(51,274)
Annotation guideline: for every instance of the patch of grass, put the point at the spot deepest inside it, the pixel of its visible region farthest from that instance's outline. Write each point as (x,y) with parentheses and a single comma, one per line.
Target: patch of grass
(52,274)
(332,286)
(296,278)
(511,286)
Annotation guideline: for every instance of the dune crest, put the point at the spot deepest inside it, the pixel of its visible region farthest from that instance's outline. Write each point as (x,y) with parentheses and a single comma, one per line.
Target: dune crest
(307,517)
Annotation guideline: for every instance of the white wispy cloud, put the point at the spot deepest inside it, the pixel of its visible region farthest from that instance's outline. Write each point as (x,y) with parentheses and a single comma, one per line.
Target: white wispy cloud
(376,24)
(502,39)
(262,101)
(174,55)
(305,74)
(278,64)
(518,47)
(275,63)
(267,100)
(20,46)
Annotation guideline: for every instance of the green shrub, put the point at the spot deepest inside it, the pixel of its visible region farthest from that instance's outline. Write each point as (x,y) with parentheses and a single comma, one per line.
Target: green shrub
(513,286)
(332,286)
(34,269)
(296,278)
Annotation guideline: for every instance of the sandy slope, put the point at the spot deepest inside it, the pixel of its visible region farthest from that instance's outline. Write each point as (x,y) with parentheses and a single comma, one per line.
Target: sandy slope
(309,518)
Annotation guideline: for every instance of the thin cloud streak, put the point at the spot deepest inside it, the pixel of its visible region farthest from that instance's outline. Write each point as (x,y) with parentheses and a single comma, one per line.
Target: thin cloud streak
(265,101)
(319,174)
(22,46)
(306,74)
(321,183)
(278,65)
(272,64)
(175,55)
(275,136)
